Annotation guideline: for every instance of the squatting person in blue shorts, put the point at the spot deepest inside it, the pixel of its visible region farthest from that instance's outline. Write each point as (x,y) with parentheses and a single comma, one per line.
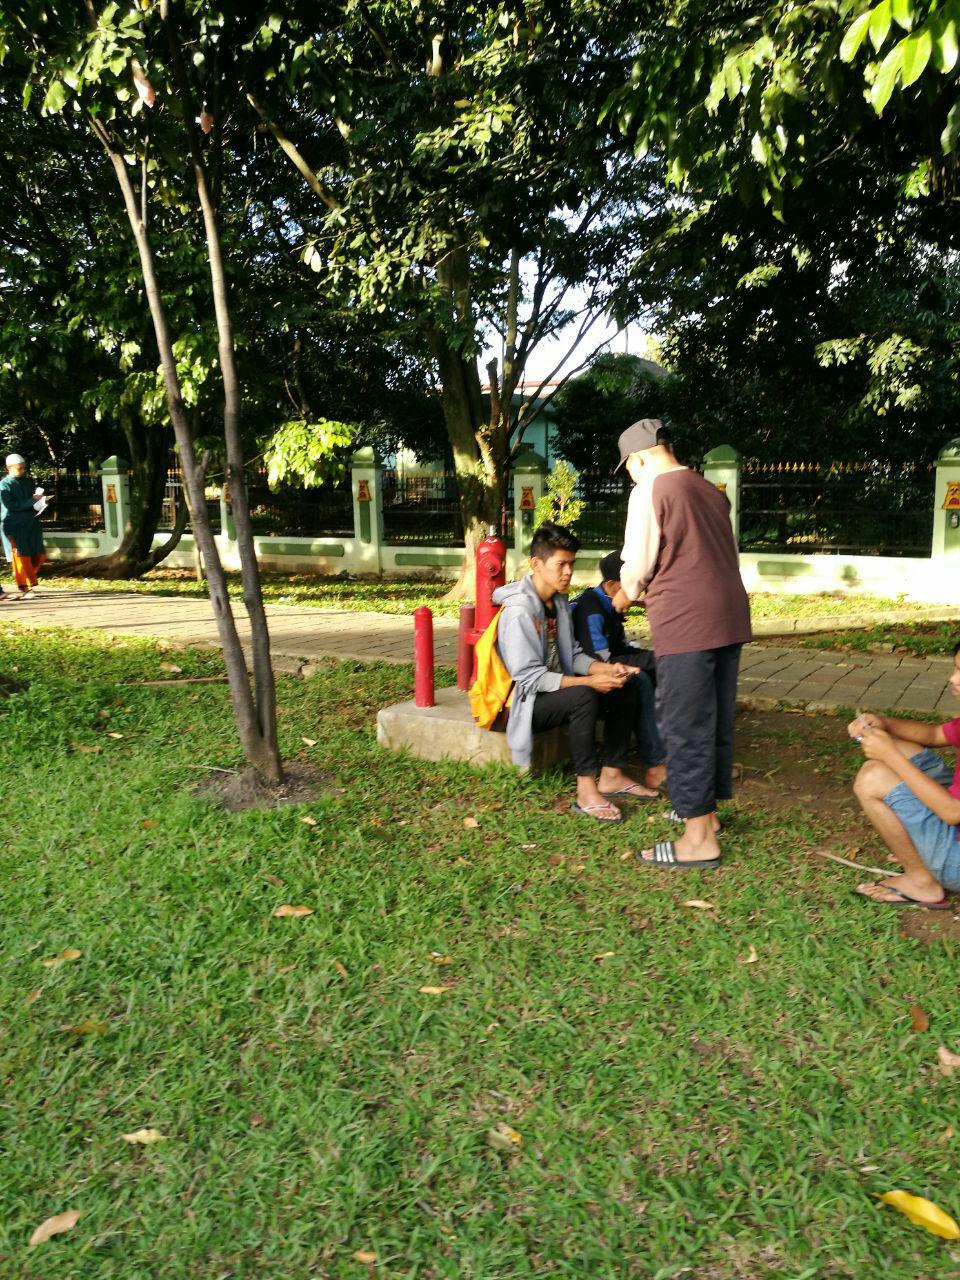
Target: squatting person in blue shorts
(913,804)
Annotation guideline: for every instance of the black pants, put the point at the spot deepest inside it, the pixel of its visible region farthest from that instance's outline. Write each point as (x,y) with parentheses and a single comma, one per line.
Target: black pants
(579,708)
(696,706)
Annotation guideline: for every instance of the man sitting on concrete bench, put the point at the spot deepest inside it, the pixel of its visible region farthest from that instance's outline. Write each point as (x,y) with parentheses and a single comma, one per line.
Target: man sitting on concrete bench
(556,683)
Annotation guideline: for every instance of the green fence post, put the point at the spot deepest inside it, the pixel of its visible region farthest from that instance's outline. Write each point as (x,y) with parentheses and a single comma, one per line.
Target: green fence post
(946,502)
(721,466)
(367,485)
(529,486)
(115,480)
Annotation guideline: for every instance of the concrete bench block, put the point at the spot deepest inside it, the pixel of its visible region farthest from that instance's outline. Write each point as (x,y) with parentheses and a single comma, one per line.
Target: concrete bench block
(448,732)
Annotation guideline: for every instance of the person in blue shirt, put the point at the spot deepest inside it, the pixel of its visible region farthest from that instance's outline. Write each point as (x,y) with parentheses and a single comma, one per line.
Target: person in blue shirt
(600,632)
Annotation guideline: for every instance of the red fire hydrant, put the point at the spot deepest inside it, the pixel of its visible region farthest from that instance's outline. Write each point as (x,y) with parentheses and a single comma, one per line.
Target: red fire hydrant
(491,573)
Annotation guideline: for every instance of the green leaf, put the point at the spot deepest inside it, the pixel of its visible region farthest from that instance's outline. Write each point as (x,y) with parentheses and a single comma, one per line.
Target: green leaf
(56,98)
(886,79)
(951,130)
(914,55)
(902,11)
(855,37)
(945,44)
(880,20)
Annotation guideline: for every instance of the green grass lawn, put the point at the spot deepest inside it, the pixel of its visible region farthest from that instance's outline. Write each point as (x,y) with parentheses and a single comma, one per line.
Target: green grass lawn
(403,595)
(682,1111)
(919,639)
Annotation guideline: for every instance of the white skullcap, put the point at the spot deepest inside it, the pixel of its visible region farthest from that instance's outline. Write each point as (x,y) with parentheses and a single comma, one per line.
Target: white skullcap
(14,458)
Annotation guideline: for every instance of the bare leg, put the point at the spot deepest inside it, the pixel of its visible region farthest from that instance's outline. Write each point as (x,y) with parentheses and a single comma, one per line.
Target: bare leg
(588,796)
(614,779)
(872,783)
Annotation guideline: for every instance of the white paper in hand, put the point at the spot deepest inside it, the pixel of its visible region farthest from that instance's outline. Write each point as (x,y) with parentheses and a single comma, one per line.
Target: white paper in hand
(40,505)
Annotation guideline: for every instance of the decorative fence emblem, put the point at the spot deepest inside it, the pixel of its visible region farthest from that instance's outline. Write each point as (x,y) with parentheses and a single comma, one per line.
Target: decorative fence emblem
(363,491)
(526,498)
(111,493)
(951,501)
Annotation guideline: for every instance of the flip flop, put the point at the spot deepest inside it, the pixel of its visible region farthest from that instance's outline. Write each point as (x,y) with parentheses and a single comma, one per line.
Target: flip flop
(665,855)
(591,811)
(906,901)
(673,816)
(629,793)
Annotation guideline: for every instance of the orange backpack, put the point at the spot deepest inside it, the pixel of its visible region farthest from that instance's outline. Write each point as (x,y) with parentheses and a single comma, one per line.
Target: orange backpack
(492,691)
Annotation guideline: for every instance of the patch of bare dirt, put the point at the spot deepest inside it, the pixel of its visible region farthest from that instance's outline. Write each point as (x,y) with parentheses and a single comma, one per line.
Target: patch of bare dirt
(236,792)
(930,927)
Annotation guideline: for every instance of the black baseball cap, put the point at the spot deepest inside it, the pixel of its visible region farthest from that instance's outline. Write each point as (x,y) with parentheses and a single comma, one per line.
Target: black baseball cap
(644,434)
(610,567)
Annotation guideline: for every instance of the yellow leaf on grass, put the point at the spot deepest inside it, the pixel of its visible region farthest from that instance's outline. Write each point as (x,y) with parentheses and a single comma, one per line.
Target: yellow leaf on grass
(68,953)
(80,746)
(33,996)
(918,1019)
(751,957)
(947,1134)
(437,958)
(699,903)
(924,1213)
(311,822)
(148,824)
(86,1028)
(55,1226)
(143,1137)
(948,1061)
(365,1255)
(114,735)
(503,1138)
(171,666)
(604,955)
(309,742)
(340,968)
(434,991)
(288,910)
(470,823)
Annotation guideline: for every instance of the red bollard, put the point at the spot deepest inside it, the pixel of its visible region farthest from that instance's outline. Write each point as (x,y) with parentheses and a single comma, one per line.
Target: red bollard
(465,647)
(423,657)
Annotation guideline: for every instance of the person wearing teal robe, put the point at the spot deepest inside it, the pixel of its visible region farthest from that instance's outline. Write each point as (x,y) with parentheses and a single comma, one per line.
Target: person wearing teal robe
(20,525)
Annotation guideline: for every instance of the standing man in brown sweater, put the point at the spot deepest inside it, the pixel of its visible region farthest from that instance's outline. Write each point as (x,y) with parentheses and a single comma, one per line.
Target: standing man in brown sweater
(679,549)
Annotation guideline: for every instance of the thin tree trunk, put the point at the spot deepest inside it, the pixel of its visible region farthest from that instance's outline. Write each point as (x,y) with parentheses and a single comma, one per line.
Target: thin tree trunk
(264,684)
(257,749)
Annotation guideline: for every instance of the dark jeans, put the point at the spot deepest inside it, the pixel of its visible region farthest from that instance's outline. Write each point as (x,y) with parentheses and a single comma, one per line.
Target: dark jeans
(579,708)
(696,706)
(649,742)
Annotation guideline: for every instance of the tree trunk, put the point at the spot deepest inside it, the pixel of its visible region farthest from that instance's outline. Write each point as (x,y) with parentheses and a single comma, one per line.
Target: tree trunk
(260,751)
(263,678)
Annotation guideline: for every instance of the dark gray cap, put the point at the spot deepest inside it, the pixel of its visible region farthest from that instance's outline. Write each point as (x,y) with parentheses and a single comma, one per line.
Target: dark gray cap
(642,435)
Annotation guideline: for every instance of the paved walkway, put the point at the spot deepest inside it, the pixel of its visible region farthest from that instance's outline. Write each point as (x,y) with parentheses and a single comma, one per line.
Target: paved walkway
(769,675)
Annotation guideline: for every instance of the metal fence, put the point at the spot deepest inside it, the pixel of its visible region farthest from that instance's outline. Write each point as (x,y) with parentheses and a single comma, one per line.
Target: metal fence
(604,515)
(75,498)
(852,508)
(422,508)
(173,494)
(326,511)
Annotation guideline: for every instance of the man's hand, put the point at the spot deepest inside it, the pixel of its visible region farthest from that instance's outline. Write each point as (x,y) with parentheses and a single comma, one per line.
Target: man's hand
(877,744)
(622,602)
(606,676)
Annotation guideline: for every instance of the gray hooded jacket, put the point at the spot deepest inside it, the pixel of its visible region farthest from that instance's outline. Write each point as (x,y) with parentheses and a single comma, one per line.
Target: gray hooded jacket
(522,642)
